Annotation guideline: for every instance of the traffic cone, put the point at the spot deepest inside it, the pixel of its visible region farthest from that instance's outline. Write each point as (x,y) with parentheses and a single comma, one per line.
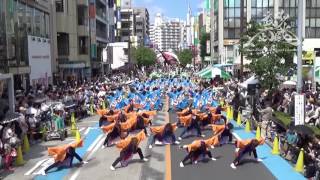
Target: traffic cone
(300,163)
(73,118)
(43,132)
(73,125)
(19,160)
(239,119)
(247,129)
(103,105)
(78,136)
(26,145)
(258,133)
(275,149)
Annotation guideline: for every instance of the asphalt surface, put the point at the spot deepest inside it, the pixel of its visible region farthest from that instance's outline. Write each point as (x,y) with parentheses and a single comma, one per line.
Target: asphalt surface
(219,169)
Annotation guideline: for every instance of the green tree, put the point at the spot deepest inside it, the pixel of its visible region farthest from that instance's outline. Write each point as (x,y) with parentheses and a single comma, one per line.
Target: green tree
(270,46)
(144,56)
(203,45)
(185,57)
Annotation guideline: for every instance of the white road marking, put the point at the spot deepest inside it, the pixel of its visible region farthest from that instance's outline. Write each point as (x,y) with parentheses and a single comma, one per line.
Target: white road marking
(35,167)
(81,129)
(45,165)
(87,131)
(236,135)
(94,143)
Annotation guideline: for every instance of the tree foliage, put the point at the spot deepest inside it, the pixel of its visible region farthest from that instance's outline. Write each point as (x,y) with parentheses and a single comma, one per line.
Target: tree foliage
(185,57)
(203,45)
(270,46)
(144,56)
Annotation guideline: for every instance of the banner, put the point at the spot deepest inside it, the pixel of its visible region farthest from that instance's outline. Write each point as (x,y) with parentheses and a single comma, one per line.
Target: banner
(299,109)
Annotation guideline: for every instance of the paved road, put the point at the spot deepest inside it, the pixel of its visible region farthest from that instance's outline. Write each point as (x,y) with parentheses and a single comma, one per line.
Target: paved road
(163,160)
(219,169)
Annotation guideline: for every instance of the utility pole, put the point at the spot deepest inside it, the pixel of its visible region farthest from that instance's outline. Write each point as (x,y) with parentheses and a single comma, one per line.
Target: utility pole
(241,34)
(299,48)
(212,31)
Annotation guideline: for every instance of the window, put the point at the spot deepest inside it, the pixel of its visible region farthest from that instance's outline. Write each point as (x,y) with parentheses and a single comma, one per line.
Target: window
(63,44)
(59,6)
(83,45)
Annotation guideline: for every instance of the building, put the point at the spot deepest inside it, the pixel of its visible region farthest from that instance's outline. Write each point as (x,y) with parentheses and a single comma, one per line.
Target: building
(135,25)
(227,23)
(25,41)
(83,30)
(142,25)
(166,34)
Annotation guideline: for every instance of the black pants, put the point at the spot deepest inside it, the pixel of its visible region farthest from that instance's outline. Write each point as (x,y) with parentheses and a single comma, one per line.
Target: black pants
(113,134)
(160,138)
(192,154)
(192,126)
(123,155)
(71,153)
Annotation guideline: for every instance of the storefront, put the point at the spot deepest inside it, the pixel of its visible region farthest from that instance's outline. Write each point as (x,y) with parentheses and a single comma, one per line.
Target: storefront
(6,93)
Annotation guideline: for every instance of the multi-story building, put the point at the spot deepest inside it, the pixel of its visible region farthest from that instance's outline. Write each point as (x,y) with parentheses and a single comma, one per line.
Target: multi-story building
(166,34)
(25,41)
(227,23)
(83,30)
(142,25)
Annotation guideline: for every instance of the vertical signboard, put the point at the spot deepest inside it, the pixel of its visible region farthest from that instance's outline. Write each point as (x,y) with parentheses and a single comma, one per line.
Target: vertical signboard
(39,60)
(299,109)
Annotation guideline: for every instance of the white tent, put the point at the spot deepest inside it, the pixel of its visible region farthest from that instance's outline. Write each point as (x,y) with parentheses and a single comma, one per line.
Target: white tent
(251,80)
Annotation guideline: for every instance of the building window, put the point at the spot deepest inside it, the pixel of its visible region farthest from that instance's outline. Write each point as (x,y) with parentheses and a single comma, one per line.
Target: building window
(82,16)
(83,45)
(59,6)
(63,44)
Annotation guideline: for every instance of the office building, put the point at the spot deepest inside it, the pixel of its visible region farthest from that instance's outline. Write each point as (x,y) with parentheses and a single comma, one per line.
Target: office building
(227,23)
(166,34)
(25,41)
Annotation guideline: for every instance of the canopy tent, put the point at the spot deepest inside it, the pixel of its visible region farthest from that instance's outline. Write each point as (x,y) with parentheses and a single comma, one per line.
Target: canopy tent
(204,70)
(222,65)
(251,80)
(213,72)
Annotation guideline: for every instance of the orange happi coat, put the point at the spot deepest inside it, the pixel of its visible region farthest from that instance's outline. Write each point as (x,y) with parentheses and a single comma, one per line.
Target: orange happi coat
(243,143)
(102,112)
(215,117)
(160,129)
(149,113)
(212,110)
(183,111)
(124,143)
(218,129)
(186,120)
(59,152)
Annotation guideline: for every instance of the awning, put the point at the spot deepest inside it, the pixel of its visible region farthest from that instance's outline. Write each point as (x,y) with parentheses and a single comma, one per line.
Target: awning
(213,72)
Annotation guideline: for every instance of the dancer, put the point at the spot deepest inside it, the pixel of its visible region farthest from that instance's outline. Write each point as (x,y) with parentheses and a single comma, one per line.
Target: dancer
(246,147)
(190,123)
(164,134)
(129,147)
(62,154)
(113,131)
(195,150)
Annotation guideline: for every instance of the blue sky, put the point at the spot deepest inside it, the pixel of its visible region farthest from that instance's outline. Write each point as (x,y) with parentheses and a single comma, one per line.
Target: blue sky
(169,8)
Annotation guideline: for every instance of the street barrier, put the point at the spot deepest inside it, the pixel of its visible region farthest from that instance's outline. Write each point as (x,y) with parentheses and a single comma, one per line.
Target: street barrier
(247,129)
(258,133)
(19,160)
(26,145)
(239,119)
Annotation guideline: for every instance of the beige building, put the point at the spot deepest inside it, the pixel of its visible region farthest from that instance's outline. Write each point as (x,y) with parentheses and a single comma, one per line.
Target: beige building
(83,30)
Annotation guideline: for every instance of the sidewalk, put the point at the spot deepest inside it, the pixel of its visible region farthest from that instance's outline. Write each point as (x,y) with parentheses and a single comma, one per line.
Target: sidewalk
(37,158)
(278,166)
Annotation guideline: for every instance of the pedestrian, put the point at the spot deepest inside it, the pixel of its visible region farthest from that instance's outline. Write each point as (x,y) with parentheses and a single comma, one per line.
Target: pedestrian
(163,134)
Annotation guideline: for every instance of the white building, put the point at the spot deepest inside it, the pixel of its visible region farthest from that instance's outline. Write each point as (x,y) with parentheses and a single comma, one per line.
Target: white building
(118,53)
(166,34)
